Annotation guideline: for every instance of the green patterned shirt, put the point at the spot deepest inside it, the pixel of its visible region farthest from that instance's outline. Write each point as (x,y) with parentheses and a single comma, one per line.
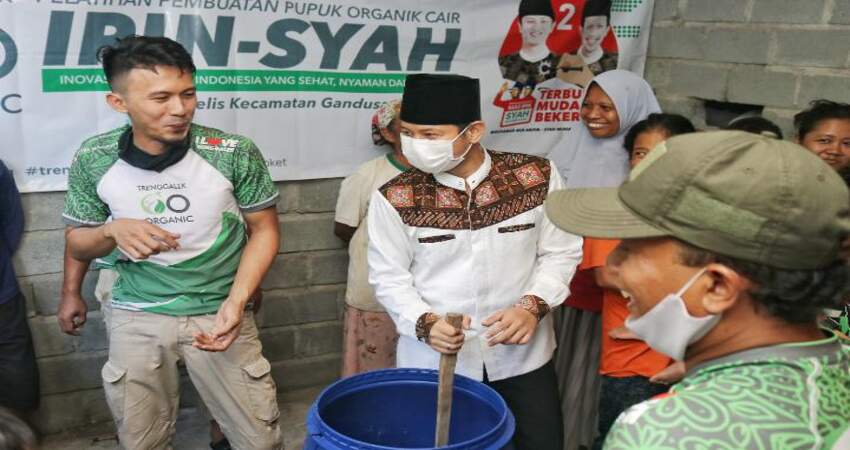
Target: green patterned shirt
(201,198)
(783,397)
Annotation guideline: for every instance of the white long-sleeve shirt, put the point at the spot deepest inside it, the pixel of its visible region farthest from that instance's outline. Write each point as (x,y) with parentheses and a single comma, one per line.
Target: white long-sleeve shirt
(434,248)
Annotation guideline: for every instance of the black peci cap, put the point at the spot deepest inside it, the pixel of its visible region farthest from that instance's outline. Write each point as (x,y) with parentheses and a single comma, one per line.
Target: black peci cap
(440,100)
(536,8)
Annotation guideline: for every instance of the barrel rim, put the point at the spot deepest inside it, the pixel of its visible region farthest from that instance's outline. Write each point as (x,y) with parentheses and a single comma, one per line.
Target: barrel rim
(501,432)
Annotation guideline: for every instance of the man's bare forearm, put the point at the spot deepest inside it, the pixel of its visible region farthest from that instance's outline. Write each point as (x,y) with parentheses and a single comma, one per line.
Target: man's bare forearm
(88,243)
(344,232)
(74,272)
(258,255)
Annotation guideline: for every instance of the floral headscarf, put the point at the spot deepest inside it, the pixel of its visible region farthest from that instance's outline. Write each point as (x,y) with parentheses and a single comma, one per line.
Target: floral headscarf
(382,118)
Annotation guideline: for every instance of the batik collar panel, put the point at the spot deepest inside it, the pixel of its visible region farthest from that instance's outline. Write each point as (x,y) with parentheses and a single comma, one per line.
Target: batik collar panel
(514,183)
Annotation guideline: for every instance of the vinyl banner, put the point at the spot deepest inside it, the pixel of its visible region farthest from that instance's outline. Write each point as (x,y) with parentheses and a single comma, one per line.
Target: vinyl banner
(303,78)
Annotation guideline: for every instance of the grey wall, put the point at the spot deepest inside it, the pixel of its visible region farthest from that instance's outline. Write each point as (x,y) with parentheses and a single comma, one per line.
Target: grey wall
(777,53)
(300,317)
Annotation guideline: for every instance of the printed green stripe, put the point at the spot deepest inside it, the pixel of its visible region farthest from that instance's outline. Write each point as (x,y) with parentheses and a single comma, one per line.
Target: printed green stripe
(233,80)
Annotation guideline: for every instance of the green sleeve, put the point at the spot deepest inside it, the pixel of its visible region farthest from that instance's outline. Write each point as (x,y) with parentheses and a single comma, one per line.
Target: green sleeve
(83,207)
(638,428)
(252,184)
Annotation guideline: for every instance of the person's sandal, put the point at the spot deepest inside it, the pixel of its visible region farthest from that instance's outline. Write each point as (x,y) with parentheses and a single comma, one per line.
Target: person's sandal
(223,444)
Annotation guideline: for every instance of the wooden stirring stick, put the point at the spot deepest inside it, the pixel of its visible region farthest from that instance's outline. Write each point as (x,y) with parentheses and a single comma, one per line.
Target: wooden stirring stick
(446,387)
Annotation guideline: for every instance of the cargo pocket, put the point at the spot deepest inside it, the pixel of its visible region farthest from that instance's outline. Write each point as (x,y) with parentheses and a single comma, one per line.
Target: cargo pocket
(115,387)
(261,390)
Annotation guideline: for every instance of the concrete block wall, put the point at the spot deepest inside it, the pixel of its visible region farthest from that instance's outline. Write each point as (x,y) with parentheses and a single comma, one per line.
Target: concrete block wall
(780,54)
(299,320)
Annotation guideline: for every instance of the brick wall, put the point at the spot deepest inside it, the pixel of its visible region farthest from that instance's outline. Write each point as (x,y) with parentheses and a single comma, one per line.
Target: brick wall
(780,54)
(300,318)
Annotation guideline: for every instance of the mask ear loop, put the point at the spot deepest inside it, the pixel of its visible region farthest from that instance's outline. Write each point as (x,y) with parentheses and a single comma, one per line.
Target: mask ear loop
(468,147)
(690,282)
(461,132)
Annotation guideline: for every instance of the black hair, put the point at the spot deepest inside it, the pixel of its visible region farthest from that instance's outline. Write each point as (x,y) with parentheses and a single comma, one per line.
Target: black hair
(795,296)
(756,125)
(146,52)
(596,8)
(671,124)
(818,111)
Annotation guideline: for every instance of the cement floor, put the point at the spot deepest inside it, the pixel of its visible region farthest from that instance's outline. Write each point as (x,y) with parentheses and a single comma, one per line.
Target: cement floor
(193,428)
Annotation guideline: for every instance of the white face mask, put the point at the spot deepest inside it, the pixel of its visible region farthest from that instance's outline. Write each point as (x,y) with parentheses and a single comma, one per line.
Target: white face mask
(669,328)
(432,156)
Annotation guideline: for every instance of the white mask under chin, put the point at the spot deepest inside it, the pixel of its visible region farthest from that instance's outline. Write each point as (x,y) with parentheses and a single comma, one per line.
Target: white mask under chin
(432,155)
(669,328)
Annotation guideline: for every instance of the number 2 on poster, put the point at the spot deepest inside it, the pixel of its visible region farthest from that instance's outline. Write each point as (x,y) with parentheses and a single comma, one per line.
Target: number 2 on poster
(569,10)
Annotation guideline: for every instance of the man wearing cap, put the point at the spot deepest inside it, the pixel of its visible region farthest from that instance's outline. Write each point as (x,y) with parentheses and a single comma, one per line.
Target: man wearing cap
(464,232)
(730,249)
(533,63)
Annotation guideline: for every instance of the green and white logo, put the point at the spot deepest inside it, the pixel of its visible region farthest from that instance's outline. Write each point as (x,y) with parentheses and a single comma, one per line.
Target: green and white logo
(154,203)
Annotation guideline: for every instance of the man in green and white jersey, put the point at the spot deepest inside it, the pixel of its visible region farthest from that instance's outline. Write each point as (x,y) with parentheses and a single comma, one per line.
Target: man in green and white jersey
(731,248)
(192,212)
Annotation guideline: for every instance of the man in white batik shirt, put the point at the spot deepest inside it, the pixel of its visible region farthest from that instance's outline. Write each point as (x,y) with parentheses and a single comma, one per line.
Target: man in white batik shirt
(464,232)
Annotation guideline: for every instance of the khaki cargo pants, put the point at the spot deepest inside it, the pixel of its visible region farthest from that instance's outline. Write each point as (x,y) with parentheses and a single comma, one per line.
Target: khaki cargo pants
(141,381)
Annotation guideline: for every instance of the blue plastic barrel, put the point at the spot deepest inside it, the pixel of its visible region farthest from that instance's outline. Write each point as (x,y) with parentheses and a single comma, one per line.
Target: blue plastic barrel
(397,409)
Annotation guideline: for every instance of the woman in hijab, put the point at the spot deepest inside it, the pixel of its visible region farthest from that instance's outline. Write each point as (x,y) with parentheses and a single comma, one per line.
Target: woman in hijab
(591,155)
